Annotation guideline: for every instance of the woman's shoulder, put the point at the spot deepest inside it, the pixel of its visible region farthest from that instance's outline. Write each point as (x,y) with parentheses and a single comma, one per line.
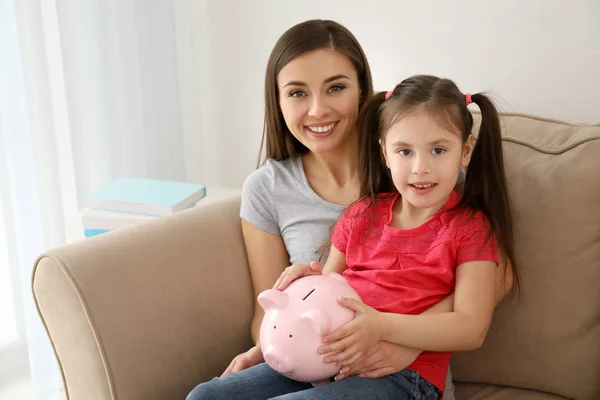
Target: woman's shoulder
(264,177)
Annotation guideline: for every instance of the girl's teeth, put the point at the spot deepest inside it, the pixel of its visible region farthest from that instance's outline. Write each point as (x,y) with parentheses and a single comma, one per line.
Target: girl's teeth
(322,129)
(424,186)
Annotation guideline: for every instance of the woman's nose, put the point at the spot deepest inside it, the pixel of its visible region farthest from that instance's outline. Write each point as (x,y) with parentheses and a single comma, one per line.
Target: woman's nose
(319,107)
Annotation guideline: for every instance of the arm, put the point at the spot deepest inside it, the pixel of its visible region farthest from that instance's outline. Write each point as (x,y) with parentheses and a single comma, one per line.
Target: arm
(336,261)
(267,258)
(464,328)
(504,283)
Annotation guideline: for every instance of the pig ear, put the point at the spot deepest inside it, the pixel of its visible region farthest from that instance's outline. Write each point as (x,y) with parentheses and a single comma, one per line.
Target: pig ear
(273,298)
(336,276)
(318,320)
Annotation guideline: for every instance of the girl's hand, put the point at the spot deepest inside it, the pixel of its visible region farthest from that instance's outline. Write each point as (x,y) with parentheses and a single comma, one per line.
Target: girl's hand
(356,338)
(382,359)
(245,360)
(296,271)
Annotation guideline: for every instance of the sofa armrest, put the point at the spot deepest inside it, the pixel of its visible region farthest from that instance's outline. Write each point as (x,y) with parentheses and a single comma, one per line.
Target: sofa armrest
(149,311)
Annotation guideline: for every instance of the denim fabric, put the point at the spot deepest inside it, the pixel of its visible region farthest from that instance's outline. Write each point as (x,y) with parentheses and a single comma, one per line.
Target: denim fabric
(262,382)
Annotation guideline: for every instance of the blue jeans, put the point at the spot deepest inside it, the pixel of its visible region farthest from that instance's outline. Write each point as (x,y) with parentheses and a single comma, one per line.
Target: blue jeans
(262,382)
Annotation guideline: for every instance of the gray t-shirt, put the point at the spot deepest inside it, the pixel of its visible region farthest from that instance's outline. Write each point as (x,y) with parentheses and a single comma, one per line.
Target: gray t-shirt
(277,198)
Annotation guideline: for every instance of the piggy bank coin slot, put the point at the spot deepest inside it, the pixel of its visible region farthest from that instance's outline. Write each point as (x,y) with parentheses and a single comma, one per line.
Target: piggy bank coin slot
(309,293)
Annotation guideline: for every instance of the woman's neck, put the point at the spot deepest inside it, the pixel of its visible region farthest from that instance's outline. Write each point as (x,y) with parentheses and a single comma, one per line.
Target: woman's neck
(338,167)
(334,175)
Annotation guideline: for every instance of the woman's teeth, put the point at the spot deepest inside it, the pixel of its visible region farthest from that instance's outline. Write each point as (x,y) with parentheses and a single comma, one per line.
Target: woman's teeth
(322,129)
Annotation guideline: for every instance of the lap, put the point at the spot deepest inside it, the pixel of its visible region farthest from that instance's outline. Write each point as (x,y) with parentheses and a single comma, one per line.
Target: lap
(255,383)
(405,384)
(262,382)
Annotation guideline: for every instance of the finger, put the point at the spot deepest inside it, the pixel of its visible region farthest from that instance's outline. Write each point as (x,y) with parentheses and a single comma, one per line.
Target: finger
(315,266)
(371,359)
(352,304)
(347,354)
(338,345)
(377,373)
(352,360)
(340,333)
(373,366)
(228,369)
(278,282)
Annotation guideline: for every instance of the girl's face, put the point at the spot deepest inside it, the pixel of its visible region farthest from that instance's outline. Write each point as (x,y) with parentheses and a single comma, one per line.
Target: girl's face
(319,94)
(424,159)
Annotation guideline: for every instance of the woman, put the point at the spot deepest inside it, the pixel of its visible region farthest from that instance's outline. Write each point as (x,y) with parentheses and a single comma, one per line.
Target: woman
(317,79)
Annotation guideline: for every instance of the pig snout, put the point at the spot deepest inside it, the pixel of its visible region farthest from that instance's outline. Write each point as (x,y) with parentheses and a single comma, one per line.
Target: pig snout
(279,363)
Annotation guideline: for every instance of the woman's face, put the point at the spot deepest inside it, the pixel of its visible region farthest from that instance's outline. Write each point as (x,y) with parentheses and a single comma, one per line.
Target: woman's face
(319,94)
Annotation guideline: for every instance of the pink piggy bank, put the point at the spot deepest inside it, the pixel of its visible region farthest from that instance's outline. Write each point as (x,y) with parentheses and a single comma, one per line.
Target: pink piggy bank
(295,321)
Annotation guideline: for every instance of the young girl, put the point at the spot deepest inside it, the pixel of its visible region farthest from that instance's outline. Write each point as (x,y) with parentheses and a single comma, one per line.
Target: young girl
(409,244)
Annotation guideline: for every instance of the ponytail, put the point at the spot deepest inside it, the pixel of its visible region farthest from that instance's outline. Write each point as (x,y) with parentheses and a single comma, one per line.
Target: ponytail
(374,176)
(485,188)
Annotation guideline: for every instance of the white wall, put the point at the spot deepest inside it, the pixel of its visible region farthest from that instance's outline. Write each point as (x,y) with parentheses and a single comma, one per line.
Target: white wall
(536,56)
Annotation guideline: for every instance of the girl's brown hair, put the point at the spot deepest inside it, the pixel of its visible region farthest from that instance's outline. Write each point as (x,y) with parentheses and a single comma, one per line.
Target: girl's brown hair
(300,39)
(485,186)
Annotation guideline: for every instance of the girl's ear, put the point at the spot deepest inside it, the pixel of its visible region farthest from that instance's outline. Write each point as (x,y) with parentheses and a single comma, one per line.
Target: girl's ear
(382,145)
(467,151)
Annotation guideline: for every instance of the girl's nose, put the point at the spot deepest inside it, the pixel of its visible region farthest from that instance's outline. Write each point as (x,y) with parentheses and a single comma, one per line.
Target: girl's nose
(421,165)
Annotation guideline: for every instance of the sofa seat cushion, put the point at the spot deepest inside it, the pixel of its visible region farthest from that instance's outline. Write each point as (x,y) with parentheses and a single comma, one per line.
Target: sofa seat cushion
(479,391)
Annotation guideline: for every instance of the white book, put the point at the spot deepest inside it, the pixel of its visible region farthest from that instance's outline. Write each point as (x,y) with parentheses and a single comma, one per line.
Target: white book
(146,196)
(105,220)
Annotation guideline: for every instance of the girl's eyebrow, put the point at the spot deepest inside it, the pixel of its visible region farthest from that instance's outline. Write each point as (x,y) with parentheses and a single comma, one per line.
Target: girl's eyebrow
(330,79)
(434,143)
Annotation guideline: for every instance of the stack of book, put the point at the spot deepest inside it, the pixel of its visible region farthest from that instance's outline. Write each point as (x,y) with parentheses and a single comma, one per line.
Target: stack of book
(128,201)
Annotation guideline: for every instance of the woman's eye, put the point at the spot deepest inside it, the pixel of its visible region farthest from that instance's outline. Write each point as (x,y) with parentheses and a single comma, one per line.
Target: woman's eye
(336,88)
(297,93)
(404,152)
(437,151)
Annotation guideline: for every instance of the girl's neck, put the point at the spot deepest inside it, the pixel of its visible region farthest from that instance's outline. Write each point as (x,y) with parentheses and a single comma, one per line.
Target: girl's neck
(407,216)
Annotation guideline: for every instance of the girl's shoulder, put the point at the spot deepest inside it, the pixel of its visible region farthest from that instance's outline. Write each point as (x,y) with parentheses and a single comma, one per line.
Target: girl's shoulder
(381,204)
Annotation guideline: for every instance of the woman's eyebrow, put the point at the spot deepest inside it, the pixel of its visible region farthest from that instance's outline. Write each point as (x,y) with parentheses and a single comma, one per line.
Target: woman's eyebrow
(330,79)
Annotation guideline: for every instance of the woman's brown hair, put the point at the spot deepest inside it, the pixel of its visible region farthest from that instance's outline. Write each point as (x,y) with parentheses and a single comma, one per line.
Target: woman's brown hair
(300,39)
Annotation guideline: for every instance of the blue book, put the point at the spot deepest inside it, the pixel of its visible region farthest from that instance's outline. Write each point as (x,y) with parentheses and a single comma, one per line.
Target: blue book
(146,196)
(94,232)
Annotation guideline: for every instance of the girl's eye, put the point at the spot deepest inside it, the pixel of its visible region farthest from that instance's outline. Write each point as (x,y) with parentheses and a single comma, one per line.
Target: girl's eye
(404,152)
(297,93)
(437,151)
(336,88)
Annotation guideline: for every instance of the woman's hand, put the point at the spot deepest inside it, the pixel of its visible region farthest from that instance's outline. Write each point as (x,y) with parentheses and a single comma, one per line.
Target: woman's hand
(382,359)
(296,271)
(352,341)
(245,360)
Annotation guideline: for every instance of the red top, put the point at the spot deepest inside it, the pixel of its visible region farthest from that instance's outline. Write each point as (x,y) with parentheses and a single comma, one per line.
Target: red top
(409,271)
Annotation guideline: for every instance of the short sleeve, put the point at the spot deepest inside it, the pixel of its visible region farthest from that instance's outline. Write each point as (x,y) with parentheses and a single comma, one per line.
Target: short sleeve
(341,233)
(257,205)
(474,242)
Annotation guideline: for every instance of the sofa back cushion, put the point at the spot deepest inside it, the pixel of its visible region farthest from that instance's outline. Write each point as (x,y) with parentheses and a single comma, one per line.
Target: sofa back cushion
(548,337)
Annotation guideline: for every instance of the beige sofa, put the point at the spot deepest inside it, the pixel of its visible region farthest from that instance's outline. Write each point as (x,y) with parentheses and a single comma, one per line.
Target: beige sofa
(149,311)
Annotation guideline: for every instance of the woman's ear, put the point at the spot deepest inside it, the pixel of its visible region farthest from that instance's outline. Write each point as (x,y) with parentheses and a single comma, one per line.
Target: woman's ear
(467,151)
